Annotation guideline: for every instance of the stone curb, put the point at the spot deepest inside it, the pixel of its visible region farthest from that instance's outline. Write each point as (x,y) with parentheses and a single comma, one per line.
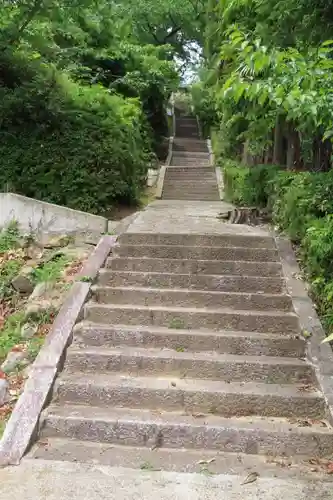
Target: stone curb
(161,174)
(23,423)
(211,154)
(320,355)
(218,172)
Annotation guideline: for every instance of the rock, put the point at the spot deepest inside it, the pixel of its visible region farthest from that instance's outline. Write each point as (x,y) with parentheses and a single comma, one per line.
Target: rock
(57,241)
(3,391)
(34,309)
(40,290)
(14,358)
(28,330)
(23,282)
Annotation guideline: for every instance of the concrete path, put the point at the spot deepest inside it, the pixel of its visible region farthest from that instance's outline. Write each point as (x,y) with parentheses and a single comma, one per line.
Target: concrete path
(39,480)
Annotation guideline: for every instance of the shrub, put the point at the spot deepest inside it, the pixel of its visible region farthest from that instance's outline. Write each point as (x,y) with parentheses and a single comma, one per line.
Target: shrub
(70,144)
(248,185)
(317,256)
(302,206)
(298,198)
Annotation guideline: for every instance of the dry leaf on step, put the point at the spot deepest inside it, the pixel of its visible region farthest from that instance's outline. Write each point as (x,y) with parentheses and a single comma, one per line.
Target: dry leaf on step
(206,462)
(251,478)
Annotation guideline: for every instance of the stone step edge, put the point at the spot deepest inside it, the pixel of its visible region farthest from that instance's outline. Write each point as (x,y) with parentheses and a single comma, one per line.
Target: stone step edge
(163,330)
(208,356)
(199,262)
(106,270)
(172,309)
(173,459)
(137,428)
(194,279)
(191,385)
(185,291)
(151,417)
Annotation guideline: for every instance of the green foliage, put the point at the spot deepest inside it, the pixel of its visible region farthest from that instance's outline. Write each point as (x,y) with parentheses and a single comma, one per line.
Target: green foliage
(300,198)
(10,261)
(248,185)
(50,271)
(302,206)
(9,237)
(83,147)
(11,333)
(83,99)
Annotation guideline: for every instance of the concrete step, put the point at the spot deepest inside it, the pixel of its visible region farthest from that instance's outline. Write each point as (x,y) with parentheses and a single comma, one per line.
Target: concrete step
(195,267)
(191,185)
(247,284)
(188,161)
(183,172)
(189,145)
(194,318)
(166,297)
(208,178)
(170,195)
(197,253)
(191,155)
(194,188)
(210,462)
(198,240)
(227,342)
(186,170)
(190,197)
(187,133)
(191,395)
(190,176)
(199,365)
(149,429)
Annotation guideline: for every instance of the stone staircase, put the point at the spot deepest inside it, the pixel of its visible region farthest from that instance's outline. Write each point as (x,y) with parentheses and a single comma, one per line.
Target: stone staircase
(189,353)
(190,175)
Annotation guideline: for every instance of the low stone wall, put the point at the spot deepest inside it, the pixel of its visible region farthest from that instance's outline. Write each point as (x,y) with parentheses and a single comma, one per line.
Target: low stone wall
(46,218)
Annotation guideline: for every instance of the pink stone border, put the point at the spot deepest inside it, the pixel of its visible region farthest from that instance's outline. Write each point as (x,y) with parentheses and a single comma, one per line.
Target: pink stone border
(319,354)
(23,423)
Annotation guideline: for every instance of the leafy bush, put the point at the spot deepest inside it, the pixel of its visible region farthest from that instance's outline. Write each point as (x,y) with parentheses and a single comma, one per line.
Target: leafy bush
(70,144)
(317,254)
(248,185)
(298,198)
(302,206)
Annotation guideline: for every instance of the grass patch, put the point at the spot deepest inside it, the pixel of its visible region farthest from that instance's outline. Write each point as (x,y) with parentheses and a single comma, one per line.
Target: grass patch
(51,271)
(9,237)
(11,333)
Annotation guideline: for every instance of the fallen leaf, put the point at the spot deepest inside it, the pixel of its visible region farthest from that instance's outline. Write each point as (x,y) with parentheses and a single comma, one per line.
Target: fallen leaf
(251,478)
(306,334)
(322,423)
(307,388)
(206,462)
(17,348)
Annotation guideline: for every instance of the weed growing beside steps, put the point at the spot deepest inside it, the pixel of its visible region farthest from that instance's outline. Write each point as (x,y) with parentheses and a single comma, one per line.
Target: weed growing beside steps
(26,319)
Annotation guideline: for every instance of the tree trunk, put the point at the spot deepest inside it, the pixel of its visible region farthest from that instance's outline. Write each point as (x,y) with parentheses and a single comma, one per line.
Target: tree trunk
(322,151)
(294,160)
(278,152)
(248,158)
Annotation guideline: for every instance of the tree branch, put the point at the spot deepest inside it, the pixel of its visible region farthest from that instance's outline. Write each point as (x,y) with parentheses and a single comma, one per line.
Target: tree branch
(36,7)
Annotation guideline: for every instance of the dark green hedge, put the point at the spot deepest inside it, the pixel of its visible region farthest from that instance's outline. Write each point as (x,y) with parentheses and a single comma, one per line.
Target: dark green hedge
(302,207)
(67,143)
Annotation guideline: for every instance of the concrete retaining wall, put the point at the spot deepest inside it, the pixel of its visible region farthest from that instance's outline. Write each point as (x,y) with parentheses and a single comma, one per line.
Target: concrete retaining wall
(47,218)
